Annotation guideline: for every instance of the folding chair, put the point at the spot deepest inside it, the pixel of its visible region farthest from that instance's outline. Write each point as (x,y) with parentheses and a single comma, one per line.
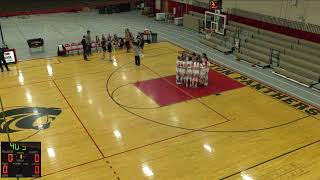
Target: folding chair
(74,47)
(80,47)
(94,46)
(68,48)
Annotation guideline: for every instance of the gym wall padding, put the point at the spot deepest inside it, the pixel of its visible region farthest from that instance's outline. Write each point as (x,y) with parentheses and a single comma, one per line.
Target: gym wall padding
(29,7)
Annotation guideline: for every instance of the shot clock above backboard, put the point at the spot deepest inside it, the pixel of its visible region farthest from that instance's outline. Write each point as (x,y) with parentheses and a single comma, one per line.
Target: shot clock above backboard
(215,4)
(20,159)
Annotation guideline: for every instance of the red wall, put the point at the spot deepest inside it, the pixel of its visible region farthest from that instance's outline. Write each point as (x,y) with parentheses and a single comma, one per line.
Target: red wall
(150,3)
(182,9)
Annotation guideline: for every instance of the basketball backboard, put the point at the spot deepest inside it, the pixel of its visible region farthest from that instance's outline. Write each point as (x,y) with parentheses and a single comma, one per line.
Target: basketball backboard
(215,21)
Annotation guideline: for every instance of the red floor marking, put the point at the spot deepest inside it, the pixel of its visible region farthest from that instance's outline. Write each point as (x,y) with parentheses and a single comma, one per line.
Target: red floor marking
(74,112)
(165,91)
(162,92)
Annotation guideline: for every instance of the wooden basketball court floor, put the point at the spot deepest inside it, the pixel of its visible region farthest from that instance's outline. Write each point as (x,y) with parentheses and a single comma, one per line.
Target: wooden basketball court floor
(96,120)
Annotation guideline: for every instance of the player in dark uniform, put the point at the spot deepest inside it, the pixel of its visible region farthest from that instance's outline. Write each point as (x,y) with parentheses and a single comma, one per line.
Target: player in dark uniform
(85,48)
(109,46)
(103,46)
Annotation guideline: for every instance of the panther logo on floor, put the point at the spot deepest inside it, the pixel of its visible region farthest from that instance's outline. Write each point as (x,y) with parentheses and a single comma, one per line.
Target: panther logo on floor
(22,118)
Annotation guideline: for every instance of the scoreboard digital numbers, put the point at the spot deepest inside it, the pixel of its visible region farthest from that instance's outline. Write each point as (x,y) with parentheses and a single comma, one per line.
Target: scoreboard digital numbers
(215,4)
(20,159)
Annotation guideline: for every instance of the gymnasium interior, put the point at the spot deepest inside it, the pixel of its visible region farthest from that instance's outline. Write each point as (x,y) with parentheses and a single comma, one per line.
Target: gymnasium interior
(226,89)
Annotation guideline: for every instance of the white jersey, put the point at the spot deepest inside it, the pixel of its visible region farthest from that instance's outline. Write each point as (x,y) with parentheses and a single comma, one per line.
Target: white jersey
(206,64)
(184,67)
(196,68)
(178,66)
(203,69)
(189,68)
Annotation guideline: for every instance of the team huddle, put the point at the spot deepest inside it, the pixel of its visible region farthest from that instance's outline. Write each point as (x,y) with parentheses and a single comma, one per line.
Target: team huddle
(192,70)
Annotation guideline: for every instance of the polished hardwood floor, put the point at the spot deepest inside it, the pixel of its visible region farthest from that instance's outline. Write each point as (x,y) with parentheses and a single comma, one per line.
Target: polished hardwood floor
(94,123)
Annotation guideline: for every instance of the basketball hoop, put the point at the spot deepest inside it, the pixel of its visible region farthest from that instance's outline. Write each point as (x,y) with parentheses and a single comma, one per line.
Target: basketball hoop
(215,21)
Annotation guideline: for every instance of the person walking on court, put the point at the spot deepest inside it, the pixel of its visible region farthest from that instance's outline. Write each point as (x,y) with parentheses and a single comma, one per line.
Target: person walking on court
(127,42)
(104,46)
(136,53)
(109,46)
(98,44)
(88,40)
(121,43)
(141,44)
(2,60)
(85,47)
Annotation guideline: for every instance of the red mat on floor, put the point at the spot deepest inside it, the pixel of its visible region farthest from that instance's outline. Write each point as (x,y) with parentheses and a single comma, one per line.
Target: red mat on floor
(164,91)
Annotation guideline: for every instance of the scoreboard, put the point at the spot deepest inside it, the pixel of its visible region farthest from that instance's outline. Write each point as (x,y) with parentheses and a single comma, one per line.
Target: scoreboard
(215,4)
(21,159)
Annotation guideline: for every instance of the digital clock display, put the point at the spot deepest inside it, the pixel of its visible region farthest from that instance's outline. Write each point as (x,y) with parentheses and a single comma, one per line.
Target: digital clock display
(215,4)
(20,159)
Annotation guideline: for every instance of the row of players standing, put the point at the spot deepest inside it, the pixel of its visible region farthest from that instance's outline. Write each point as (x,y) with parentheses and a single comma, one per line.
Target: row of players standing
(192,70)
(111,43)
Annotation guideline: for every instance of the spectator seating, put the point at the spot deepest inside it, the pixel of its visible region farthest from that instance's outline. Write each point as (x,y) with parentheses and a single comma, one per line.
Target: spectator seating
(194,21)
(288,74)
(218,42)
(316,87)
(261,59)
(299,59)
(191,22)
(213,43)
(68,48)
(74,48)
(80,47)
(249,59)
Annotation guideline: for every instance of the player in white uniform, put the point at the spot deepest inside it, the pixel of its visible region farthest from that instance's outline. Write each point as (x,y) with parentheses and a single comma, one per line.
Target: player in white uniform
(205,63)
(195,72)
(189,73)
(202,73)
(178,71)
(183,70)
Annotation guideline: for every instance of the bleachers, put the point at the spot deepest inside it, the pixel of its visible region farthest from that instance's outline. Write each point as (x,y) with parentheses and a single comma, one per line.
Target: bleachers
(249,59)
(215,43)
(193,21)
(299,60)
(219,42)
(262,59)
